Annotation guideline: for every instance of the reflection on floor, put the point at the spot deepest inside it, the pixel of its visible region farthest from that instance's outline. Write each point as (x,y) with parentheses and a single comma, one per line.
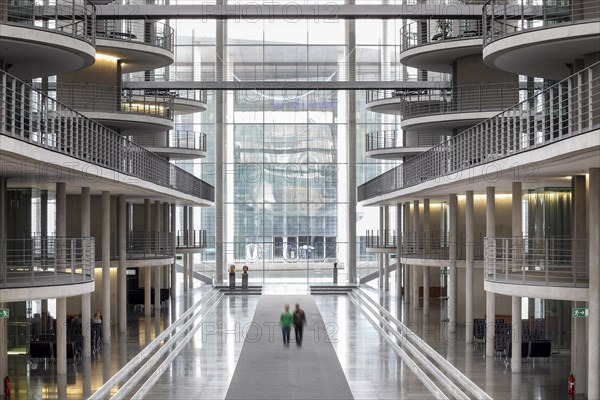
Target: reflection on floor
(373,370)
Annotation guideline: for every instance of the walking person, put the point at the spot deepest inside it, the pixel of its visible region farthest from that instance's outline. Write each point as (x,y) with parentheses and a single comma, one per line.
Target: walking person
(299,321)
(286,324)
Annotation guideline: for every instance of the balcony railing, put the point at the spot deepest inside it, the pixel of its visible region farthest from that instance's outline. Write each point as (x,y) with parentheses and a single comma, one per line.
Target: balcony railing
(566,109)
(460,99)
(140,246)
(394,139)
(29,115)
(438,30)
(385,239)
(188,140)
(85,97)
(536,261)
(501,19)
(153,33)
(195,239)
(47,261)
(76,18)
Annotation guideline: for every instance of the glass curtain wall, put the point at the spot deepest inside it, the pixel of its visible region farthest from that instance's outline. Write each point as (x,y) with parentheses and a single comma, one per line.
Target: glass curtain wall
(285,149)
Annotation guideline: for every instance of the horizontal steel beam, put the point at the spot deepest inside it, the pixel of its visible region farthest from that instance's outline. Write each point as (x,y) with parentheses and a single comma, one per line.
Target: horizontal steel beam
(289,11)
(296,85)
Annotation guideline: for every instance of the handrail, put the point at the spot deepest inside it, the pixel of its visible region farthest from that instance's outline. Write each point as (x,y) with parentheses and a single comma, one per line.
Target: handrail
(46,261)
(563,110)
(191,239)
(427,382)
(174,139)
(154,33)
(501,19)
(436,30)
(381,239)
(398,139)
(117,378)
(33,117)
(546,261)
(406,335)
(76,18)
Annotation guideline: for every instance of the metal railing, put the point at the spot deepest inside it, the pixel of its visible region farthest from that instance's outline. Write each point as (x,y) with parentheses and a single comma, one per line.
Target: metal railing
(566,109)
(29,115)
(173,139)
(394,139)
(438,30)
(501,19)
(385,239)
(86,97)
(76,18)
(467,98)
(150,245)
(153,33)
(537,261)
(191,239)
(46,261)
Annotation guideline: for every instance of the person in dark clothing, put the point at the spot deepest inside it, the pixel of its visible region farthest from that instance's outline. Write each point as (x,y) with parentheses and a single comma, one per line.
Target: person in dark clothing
(299,321)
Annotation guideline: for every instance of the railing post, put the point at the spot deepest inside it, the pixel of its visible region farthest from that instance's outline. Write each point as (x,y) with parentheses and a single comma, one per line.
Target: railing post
(505,255)
(547,264)
(73,260)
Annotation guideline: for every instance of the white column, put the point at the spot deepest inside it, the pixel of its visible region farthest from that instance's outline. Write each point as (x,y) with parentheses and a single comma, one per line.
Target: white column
(147,270)
(380,255)
(427,238)
(191,254)
(516,335)
(351,151)
(3,347)
(122,271)
(156,271)
(399,233)
(452,272)
(106,267)
(407,269)
(173,221)
(490,298)
(416,216)
(386,257)
(470,239)
(61,335)
(594,283)
(185,232)
(220,187)
(165,228)
(86,304)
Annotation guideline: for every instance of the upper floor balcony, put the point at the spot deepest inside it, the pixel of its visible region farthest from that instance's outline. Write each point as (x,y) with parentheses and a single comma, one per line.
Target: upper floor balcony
(434,44)
(387,101)
(48,267)
(551,267)
(190,241)
(31,117)
(397,144)
(140,44)
(542,40)
(175,145)
(119,108)
(43,39)
(564,110)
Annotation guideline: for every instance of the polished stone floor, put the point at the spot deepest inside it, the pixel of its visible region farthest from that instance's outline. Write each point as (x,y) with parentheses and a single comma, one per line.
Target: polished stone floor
(373,370)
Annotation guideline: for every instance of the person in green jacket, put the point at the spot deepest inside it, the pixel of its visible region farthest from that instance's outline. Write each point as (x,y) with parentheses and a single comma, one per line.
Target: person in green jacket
(286,325)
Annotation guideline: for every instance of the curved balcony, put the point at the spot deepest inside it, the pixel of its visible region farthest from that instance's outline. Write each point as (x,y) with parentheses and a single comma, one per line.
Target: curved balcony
(397,144)
(445,109)
(434,44)
(33,117)
(175,145)
(541,40)
(140,44)
(141,246)
(190,241)
(125,109)
(42,40)
(387,101)
(54,266)
(551,267)
(184,101)
(561,111)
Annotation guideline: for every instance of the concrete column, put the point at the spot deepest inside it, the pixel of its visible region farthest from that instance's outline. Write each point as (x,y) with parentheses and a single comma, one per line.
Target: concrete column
(61,335)
(122,271)
(191,255)
(3,347)
(165,228)
(399,233)
(452,272)
(86,304)
(427,237)
(416,224)
(380,255)
(594,285)
(517,210)
(147,215)
(220,187)
(106,267)
(470,239)
(516,335)
(415,285)
(185,232)
(490,298)
(173,266)
(406,274)
(61,225)
(351,151)
(156,271)
(147,291)
(386,257)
